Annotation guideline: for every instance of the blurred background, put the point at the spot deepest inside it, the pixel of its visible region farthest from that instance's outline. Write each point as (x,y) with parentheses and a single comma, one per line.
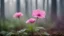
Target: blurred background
(54,11)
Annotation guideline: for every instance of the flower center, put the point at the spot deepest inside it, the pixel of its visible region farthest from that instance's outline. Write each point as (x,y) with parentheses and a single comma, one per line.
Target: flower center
(18,16)
(38,15)
(32,21)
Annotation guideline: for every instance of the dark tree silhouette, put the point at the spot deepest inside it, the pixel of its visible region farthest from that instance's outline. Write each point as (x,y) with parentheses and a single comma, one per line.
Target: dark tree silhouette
(53,10)
(2,19)
(18,5)
(2,9)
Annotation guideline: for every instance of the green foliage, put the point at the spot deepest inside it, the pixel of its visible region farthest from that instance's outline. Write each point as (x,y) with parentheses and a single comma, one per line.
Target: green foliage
(30,31)
(12,24)
(15,27)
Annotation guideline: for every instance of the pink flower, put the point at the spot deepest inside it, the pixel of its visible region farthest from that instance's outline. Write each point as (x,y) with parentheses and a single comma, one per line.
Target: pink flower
(31,20)
(38,13)
(18,15)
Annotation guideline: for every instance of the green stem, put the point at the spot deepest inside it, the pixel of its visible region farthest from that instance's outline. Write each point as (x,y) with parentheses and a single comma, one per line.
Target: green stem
(36,21)
(19,21)
(32,30)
